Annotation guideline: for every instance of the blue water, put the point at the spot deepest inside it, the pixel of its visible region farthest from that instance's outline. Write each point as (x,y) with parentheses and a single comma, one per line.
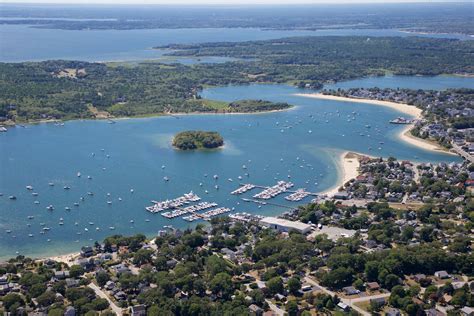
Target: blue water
(39,154)
(23,43)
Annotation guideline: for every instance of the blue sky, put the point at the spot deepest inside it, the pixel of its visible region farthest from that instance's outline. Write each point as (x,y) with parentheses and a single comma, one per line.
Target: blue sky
(232,2)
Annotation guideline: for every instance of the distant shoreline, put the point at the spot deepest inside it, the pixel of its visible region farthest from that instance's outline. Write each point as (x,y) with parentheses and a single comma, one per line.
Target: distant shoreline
(410,110)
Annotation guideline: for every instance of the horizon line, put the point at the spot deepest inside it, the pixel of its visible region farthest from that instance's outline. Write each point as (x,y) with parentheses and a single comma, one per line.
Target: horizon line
(221,3)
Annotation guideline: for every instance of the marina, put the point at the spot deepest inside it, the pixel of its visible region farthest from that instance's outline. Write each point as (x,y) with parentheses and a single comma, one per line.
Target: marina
(189,209)
(159,206)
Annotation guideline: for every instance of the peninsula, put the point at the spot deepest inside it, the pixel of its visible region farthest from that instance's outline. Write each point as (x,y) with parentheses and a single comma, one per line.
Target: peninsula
(189,140)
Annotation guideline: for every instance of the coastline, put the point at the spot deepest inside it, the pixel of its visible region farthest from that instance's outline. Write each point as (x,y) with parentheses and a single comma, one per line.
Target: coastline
(400,107)
(348,168)
(152,115)
(410,110)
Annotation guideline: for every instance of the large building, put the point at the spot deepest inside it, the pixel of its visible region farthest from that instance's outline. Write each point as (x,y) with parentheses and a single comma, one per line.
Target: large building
(283,225)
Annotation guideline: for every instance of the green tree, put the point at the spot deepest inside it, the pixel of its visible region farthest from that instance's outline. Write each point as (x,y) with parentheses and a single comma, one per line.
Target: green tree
(294,285)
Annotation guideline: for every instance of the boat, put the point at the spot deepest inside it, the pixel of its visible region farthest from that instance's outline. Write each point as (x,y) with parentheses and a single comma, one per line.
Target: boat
(8,231)
(78,174)
(67,208)
(31,217)
(90,193)
(34,194)
(51,184)
(132,221)
(111,227)
(131,190)
(50,207)
(12,197)
(166,178)
(29,187)
(36,202)
(66,187)
(89,177)
(91,223)
(109,202)
(30,235)
(76,204)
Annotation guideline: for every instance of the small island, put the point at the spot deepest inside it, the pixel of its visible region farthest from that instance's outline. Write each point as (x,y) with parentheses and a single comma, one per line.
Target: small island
(190,140)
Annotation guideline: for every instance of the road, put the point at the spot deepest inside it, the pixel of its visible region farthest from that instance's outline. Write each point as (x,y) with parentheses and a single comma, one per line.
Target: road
(347,301)
(462,153)
(98,291)
(277,310)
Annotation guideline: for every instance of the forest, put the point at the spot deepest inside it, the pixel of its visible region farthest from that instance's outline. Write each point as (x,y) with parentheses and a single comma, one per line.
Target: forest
(70,89)
(189,140)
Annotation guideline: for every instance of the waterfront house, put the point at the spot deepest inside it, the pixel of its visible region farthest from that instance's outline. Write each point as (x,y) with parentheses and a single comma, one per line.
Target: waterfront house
(442,274)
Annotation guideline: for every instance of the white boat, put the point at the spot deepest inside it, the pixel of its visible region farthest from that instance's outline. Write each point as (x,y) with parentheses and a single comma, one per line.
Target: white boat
(29,187)
(78,174)
(51,184)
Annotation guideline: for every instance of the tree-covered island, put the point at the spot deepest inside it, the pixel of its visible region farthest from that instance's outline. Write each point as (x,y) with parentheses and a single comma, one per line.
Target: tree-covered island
(189,140)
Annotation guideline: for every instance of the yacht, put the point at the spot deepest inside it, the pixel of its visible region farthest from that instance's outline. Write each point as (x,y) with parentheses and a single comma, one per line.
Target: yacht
(29,187)
(78,174)
(51,184)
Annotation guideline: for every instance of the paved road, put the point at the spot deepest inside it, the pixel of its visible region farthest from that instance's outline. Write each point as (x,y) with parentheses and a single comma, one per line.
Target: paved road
(277,310)
(349,302)
(461,152)
(98,291)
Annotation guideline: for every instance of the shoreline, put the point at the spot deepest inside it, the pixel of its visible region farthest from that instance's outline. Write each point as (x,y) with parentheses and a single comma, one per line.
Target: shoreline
(144,116)
(400,107)
(404,135)
(348,168)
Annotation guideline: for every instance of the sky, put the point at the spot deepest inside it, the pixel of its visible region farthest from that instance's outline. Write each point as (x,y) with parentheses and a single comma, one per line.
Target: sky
(230,2)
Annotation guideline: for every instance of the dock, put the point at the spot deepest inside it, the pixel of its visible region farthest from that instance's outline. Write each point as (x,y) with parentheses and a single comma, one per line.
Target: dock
(159,206)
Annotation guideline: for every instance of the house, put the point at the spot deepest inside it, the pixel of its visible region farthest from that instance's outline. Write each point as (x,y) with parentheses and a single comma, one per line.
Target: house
(228,254)
(342,195)
(350,290)
(433,312)
(87,251)
(138,310)
(71,282)
(280,297)
(442,274)
(393,312)
(255,310)
(343,306)
(70,311)
(372,286)
(419,277)
(379,301)
(467,311)
(61,275)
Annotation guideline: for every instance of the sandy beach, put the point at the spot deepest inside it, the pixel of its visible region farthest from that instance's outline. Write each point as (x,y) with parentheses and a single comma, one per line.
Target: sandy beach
(348,164)
(409,110)
(67,258)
